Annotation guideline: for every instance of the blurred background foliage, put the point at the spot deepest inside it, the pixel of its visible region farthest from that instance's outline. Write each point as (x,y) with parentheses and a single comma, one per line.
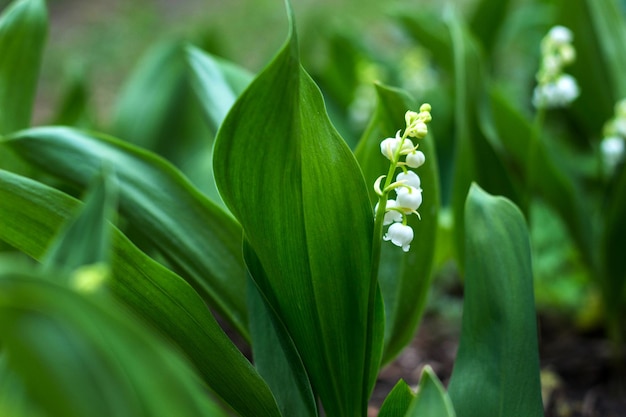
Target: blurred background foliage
(94,48)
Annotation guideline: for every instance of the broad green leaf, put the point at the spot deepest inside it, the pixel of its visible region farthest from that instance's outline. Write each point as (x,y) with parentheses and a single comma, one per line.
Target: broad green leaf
(609,24)
(216,83)
(404,277)
(496,372)
(429,30)
(193,233)
(73,108)
(80,357)
(275,355)
(475,158)
(14,400)
(398,401)
(30,216)
(487,21)
(23,27)
(431,399)
(157,111)
(297,190)
(86,239)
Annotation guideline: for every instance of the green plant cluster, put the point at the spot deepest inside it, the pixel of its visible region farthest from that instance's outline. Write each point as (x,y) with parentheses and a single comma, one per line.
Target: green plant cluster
(219,193)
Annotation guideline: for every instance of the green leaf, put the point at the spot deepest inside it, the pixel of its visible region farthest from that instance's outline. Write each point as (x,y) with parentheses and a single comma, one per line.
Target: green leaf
(275,355)
(475,158)
(404,277)
(398,401)
(431,399)
(216,83)
(496,372)
(167,119)
(14,400)
(79,357)
(23,27)
(86,238)
(30,216)
(298,192)
(487,21)
(73,108)
(609,24)
(193,233)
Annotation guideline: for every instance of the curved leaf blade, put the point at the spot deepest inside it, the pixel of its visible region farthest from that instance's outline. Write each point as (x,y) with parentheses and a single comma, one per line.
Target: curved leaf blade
(185,226)
(275,356)
(216,83)
(79,357)
(31,215)
(301,205)
(496,372)
(23,27)
(86,238)
(404,277)
(398,401)
(431,398)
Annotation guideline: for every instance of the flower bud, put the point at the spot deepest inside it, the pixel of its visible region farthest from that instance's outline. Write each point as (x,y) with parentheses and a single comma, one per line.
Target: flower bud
(409,178)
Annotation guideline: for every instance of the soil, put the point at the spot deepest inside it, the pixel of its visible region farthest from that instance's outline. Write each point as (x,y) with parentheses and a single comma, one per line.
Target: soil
(578,376)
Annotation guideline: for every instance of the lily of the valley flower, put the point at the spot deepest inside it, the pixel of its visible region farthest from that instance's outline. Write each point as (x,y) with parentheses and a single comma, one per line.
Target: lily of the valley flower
(613,146)
(407,183)
(400,235)
(554,87)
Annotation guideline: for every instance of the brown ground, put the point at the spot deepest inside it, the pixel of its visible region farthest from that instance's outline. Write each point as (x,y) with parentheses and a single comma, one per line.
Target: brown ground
(578,377)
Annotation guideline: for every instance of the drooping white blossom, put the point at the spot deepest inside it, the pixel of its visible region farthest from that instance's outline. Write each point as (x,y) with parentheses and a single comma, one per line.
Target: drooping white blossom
(407,183)
(415,159)
(409,200)
(554,87)
(409,178)
(400,235)
(391,216)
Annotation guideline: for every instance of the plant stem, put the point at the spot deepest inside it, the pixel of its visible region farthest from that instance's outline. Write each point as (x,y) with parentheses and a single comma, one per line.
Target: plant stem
(374,266)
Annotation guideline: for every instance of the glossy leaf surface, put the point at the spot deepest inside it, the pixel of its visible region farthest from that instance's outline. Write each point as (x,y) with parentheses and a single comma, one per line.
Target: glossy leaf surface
(23,26)
(297,190)
(431,399)
(30,216)
(80,357)
(197,236)
(496,372)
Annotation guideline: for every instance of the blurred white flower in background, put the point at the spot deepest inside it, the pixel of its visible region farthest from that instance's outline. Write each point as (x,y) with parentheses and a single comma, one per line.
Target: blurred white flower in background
(554,87)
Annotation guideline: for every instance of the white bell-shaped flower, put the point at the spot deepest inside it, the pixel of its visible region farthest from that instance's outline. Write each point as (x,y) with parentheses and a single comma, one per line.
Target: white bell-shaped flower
(612,149)
(415,159)
(391,216)
(409,178)
(400,235)
(411,199)
(560,35)
(389,146)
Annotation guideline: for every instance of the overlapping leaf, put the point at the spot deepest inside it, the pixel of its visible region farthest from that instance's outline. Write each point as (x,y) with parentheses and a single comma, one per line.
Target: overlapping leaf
(78,357)
(496,372)
(404,277)
(197,236)
(431,398)
(297,190)
(30,216)
(157,111)
(23,27)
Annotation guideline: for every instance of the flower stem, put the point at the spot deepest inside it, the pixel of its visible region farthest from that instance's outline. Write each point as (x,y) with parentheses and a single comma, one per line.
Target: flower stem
(374,266)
